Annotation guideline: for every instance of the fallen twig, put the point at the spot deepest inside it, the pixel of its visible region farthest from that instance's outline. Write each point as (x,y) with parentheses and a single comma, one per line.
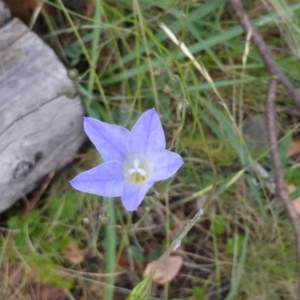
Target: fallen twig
(38,194)
(264,50)
(278,76)
(279,178)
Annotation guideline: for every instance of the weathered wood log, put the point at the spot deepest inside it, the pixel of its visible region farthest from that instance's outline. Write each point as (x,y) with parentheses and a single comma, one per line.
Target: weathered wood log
(40,124)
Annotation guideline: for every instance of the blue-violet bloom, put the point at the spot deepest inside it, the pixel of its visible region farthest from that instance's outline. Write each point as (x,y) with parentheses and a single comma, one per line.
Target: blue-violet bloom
(134,160)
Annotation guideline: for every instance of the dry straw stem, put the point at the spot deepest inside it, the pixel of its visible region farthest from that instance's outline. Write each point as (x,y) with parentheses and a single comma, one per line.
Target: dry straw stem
(278,76)
(279,178)
(264,51)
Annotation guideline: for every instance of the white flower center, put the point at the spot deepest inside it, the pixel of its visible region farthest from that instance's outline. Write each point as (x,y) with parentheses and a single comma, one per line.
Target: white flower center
(137,169)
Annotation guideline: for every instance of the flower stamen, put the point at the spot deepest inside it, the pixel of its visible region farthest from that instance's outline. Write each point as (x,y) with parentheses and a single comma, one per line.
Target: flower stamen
(137,169)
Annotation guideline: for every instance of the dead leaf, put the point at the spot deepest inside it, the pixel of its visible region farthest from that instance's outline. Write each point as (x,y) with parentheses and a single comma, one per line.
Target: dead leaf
(23,9)
(45,292)
(166,271)
(10,275)
(294,148)
(73,254)
(14,276)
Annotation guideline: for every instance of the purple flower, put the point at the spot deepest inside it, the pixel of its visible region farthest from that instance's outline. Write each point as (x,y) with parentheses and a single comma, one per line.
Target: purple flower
(134,160)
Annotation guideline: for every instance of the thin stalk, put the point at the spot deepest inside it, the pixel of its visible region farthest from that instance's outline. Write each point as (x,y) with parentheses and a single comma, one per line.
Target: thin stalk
(124,237)
(167,284)
(110,249)
(89,60)
(95,50)
(148,54)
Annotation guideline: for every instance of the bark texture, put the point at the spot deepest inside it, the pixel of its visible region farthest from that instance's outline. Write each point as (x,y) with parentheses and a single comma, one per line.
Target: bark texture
(40,113)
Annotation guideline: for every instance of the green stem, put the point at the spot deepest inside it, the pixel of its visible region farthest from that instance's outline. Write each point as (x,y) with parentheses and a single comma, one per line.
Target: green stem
(110,249)
(177,242)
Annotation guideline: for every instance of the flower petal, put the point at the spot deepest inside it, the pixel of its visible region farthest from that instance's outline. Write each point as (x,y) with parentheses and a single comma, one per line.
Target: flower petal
(133,195)
(147,134)
(110,140)
(104,180)
(165,164)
